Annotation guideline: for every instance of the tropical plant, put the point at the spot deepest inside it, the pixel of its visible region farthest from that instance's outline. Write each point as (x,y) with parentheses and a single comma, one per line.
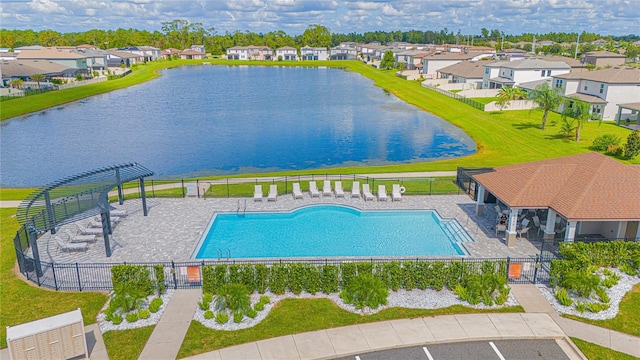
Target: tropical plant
(365,290)
(132,317)
(38,78)
(632,148)
(237,316)
(126,296)
(208,315)
(144,313)
(547,99)
(388,60)
(222,317)
(234,297)
(16,83)
(507,94)
(155,304)
(578,110)
(602,142)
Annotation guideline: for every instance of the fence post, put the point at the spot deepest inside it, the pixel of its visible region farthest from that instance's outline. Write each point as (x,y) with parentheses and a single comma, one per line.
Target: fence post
(535,271)
(286,190)
(173,272)
(198,187)
(508,268)
(227,187)
(55,281)
(153,189)
(78,274)
(182,188)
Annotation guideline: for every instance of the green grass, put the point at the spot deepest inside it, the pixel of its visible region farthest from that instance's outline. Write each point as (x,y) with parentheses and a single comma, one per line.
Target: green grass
(484,100)
(126,344)
(597,352)
(292,316)
(15,194)
(628,318)
(21,301)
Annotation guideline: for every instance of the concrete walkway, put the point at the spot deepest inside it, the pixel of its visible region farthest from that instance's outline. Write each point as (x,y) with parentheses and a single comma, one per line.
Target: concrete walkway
(167,336)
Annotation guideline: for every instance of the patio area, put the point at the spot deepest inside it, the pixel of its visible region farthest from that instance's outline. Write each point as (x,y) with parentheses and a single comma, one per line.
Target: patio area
(174,226)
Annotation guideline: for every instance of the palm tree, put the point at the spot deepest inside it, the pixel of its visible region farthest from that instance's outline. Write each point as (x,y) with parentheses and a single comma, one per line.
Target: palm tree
(506,94)
(37,78)
(17,83)
(547,99)
(579,110)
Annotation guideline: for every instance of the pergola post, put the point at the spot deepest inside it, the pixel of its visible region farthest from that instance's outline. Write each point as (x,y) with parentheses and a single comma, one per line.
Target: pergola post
(511,230)
(50,212)
(619,115)
(549,229)
(145,211)
(480,201)
(570,232)
(120,195)
(33,240)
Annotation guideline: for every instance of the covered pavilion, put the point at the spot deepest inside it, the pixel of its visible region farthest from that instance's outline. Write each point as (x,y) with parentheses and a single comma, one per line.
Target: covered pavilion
(589,193)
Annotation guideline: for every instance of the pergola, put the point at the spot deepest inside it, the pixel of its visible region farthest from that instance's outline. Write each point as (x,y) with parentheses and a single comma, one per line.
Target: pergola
(71,199)
(594,193)
(635,110)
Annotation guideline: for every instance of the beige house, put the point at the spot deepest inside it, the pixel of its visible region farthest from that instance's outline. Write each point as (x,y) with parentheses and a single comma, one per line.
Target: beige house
(189,54)
(603,58)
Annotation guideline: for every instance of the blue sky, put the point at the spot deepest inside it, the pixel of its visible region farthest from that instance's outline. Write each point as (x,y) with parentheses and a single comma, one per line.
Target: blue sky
(608,17)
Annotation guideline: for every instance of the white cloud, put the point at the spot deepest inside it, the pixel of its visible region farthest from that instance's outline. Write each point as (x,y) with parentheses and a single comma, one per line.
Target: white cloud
(46,6)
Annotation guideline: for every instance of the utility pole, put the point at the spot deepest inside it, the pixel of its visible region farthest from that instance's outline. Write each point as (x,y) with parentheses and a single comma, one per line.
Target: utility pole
(577,45)
(533,45)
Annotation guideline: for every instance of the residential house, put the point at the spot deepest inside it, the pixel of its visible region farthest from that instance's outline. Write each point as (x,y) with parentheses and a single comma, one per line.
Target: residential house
(198,48)
(170,53)
(545,43)
(148,53)
(189,54)
(117,58)
(238,53)
(412,59)
(286,53)
(368,51)
(464,71)
(58,56)
(576,65)
(96,58)
(313,53)
(602,89)
(600,42)
(250,53)
(511,73)
(433,62)
(24,69)
(603,58)
(342,52)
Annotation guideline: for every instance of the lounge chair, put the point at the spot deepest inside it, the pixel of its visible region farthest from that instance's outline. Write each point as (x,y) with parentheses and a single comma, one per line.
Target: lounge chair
(355,189)
(524,230)
(382,193)
(96,222)
(338,189)
(326,188)
(74,238)
(273,192)
(396,194)
(540,225)
(297,193)
(366,193)
(65,246)
(119,213)
(87,231)
(313,189)
(257,193)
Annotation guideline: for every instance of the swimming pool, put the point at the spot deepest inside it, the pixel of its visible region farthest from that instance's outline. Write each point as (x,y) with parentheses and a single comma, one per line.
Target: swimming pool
(330,231)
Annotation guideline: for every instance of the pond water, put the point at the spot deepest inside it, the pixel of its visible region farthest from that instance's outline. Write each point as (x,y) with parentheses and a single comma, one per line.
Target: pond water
(213,120)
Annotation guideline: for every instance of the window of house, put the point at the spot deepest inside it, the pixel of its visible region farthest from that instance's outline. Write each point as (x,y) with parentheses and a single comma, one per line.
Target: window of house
(542,73)
(511,73)
(601,88)
(486,70)
(558,83)
(548,72)
(585,88)
(595,109)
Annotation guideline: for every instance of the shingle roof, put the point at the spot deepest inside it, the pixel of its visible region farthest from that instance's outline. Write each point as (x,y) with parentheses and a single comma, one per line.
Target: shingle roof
(592,99)
(12,68)
(466,69)
(450,56)
(533,63)
(48,53)
(603,54)
(614,75)
(588,186)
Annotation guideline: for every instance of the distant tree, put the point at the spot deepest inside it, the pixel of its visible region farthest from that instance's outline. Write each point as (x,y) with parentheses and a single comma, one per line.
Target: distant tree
(578,110)
(317,36)
(485,33)
(632,148)
(507,94)
(37,78)
(547,99)
(388,60)
(16,83)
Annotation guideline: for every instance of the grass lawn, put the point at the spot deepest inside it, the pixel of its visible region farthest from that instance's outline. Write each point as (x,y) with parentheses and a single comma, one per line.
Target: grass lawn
(126,344)
(21,301)
(484,100)
(292,316)
(597,352)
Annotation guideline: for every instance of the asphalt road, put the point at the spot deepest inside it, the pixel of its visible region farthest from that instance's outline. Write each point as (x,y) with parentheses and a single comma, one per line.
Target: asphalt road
(484,350)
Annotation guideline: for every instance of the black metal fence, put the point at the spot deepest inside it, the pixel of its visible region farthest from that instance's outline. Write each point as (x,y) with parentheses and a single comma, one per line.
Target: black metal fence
(188,274)
(460,98)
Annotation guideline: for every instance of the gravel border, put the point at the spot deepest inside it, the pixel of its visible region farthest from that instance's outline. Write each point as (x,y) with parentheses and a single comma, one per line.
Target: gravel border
(414,299)
(615,293)
(125,325)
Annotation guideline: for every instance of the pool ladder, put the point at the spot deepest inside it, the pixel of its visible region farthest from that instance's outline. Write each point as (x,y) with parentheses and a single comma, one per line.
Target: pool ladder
(220,254)
(243,208)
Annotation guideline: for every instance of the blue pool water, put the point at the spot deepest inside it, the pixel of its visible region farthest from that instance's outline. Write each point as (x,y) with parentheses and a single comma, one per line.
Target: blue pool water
(327,231)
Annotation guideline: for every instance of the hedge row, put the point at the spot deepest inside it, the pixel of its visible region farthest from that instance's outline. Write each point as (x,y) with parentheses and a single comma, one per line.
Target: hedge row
(298,277)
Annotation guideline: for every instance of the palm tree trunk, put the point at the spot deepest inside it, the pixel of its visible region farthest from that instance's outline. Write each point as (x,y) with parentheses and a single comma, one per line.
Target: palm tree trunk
(544,118)
(578,131)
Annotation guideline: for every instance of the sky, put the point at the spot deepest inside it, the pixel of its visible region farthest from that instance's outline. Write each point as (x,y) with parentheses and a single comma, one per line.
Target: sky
(606,17)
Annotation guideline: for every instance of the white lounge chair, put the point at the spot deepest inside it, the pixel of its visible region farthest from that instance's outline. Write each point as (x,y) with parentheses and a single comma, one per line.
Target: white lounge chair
(88,231)
(297,193)
(74,238)
(355,189)
(396,194)
(273,192)
(540,225)
(313,189)
(119,213)
(366,193)
(524,230)
(96,222)
(65,246)
(257,193)
(338,189)
(326,188)
(382,193)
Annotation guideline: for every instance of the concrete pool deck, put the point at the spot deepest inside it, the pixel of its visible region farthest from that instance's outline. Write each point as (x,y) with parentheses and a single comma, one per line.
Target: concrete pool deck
(174,226)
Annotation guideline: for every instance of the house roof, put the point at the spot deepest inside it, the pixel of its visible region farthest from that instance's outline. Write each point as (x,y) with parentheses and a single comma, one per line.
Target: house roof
(603,54)
(190,52)
(449,56)
(632,106)
(531,85)
(286,48)
(124,54)
(592,99)
(466,69)
(573,63)
(501,80)
(533,63)
(48,53)
(614,75)
(588,186)
(20,68)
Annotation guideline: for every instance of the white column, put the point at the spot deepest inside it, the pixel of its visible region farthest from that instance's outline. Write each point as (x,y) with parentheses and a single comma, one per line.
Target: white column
(549,230)
(570,232)
(511,227)
(622,230)
(638,232)
(480,200)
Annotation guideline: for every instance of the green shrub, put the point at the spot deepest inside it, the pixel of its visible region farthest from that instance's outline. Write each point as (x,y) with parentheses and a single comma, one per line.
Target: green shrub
(391,275)
(422,275)
(204,304)
(347,272)
(136,276)
(409,275)
(233,275)
(602,142)
(144,313)
(365,290)
(234,297)
(264,299)
(116,319)
(365,268)
(596,307)
(503,295)
(295,282)
(132,317)
(252,313)
(208,315)
(580,306)
(258,307)
(563,297)
(126,297)
(329,278)
(238,316)
(438,275)
(582,282)
(158,271)
(248,277)
(311,278)
(611,281)
(261,277)
(614,150)
(628,269)
(155,305)
(222,317)
(602,295)
(632,147)
(278,275)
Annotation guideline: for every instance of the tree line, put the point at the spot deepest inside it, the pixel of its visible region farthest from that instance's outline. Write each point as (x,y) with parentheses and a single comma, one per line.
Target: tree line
(182,34)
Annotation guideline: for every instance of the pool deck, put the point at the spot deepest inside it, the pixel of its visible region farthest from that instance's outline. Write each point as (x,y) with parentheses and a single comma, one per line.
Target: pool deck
(173,227)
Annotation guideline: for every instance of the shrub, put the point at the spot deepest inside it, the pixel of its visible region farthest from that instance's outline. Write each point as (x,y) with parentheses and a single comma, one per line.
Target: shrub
(347,272)
(610,281)
(563,297)
(252,313)
(632,147)
(580,306)
(116,319)
(392,275)
(329,278)
(596,307)
(234,297)
(206,300)
(410,275)
(126,297)
(158,271)
(234,276)
(132,317)
(261,277)
(278,275)
(264,299)
(222,317)
(208,315)
(258,307)
(238,316)
(135,275)
(582,282)
(144,313)
(364,291)
(311,278)
(614,150)
(295,278)
(155,305)
(503,295)
(602,295)
(602,142)
(365,268)
(248,277)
